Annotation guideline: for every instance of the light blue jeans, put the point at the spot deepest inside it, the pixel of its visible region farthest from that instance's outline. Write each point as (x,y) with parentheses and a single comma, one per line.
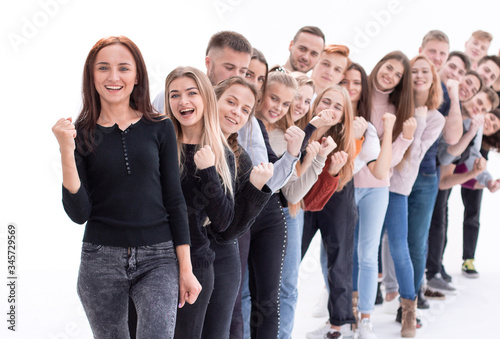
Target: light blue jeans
(396,225)
(372,205)
(148,274)
(289,278)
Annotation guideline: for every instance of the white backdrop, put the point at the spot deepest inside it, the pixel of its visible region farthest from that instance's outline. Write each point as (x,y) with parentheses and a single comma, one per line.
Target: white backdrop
(43,47)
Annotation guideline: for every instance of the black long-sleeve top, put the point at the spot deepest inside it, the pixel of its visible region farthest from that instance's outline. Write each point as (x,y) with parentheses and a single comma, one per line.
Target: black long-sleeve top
(309,130)
(248,201)
(205,197)
(130,193)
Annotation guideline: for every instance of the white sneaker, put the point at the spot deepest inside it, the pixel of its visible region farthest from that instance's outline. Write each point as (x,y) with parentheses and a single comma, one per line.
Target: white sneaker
(320,309)
(391,307)
(320,332)
(365,329)
(347,331)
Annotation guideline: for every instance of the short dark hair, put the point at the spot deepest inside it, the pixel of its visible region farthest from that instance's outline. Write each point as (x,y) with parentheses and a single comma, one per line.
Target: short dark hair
(311,30)
(462,56)
(492,96)
(230,39)
(494,58)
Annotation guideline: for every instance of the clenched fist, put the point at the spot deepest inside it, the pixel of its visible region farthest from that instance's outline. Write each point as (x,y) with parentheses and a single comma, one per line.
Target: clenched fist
(479,166)
(294,137)
(338,159)
(204,158)
(360,125)
(327,146)
(65,133)
(389,120)
(409,127)
(421,111)
(324,118)
(261,174)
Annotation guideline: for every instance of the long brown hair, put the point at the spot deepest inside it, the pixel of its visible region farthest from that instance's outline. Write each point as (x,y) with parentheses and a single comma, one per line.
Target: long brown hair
(212,134)
(342,133)
(91,110)
(364,107)
(219,90)
(402,95)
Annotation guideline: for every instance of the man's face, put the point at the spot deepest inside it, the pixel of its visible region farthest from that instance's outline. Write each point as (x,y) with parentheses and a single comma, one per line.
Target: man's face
(479,104)
(225,63)
(476,49)
(305,52)
(330,70)
(436,51)
(454,69)
(489,72)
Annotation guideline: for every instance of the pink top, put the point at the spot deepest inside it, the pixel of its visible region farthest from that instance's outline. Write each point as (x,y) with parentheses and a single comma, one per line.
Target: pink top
(427,132)
(381,105)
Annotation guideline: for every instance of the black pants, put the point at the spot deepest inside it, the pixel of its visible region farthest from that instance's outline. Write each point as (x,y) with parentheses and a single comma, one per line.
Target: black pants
(336,223)
(237,319)
(265,263)
(190,318)
(437,234)
(472,209)
(227,271)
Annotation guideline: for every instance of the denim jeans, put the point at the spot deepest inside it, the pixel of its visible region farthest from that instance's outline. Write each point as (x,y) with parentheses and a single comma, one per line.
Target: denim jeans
(420,206)
(396,224)
(372,206)
(148,274)
(227,280)
(240,321)
(289,291)
(190,317)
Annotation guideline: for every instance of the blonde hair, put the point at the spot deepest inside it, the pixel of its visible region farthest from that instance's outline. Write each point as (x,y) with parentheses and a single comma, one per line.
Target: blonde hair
(482,35)
(212,135)
(436,91)
(342,133)
(277,74)
(303,80)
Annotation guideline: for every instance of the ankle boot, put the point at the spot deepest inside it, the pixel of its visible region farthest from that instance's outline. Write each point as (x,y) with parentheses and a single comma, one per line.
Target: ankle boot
(355,308)
(409,318)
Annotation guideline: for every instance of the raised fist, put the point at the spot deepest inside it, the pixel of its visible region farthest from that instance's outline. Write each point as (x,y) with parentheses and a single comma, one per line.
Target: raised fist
(204,158)
(261,174)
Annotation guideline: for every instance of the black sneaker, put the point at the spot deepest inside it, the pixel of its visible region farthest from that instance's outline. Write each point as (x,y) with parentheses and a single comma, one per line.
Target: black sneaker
(422,303)
(399,316)
(446,276)
(379,299)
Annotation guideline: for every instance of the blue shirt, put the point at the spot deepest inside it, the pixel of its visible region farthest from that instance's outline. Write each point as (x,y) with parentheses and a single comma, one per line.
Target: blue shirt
(428,164)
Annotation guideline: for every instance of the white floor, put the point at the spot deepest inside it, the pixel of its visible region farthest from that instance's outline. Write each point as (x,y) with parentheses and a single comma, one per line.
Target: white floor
(48,306)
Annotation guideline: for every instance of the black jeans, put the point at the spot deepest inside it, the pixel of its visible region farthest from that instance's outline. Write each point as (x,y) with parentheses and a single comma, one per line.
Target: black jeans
(265,263)
(336,223)
(226,285)
(190,318)
(472,209)
(437,234)
(237,319)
